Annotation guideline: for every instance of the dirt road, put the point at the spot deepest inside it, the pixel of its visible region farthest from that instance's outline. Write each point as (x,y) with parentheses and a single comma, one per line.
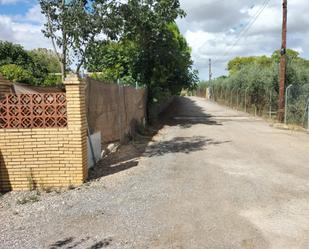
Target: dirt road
(212,178)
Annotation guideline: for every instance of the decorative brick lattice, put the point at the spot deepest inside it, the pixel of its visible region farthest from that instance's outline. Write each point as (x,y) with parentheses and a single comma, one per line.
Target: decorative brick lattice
(33,111)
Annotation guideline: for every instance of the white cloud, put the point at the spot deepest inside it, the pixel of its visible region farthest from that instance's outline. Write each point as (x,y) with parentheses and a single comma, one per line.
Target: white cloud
(27,34)
(212,27)
(34,15)
(8,2)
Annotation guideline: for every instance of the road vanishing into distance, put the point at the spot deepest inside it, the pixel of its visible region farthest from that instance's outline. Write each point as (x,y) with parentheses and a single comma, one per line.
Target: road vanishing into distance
(212,178)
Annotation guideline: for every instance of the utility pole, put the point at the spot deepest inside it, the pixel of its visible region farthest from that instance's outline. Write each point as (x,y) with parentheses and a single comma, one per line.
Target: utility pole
(282,76)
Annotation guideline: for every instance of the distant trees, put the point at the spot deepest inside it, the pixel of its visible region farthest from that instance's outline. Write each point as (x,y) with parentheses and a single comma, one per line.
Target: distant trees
(31,67)
(259,78)
(46,58)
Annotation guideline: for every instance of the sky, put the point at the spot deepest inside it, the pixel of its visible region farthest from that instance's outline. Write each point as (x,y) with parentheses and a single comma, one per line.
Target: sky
(212,28)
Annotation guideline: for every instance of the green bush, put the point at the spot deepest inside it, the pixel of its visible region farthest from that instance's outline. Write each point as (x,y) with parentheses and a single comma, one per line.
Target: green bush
(16,73)
(52,80)
(256,85)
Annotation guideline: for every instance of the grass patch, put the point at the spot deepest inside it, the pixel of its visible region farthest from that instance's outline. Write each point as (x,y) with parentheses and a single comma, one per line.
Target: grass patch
(28,199)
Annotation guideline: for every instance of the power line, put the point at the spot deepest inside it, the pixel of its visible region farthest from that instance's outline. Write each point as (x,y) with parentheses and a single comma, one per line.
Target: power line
(248,27)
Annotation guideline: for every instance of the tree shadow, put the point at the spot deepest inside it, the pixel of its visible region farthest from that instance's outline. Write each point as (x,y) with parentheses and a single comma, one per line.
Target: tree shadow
(71,243)
(185,145)
(184,112)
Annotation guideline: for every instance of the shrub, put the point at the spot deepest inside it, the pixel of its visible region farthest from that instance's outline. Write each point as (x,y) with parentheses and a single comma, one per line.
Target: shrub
(16,73)
(52,80)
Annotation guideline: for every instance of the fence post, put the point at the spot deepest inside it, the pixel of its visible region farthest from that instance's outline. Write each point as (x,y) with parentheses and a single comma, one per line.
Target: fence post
(246,91)
(270,103)
(237,98)
(286,102)
(308,114)
(232,96)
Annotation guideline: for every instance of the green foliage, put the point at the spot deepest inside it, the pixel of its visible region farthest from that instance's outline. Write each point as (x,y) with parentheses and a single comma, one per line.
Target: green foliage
(16,73)
(163,59)
(31,67)
(238,63)
(46,59)
(52,80)
(115,61)
(151,50)
(13,54)
(259,78)
(291,55)
(74,26)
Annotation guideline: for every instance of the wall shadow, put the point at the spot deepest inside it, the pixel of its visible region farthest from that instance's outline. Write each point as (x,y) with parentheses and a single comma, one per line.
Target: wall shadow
(124,158)
(5,185)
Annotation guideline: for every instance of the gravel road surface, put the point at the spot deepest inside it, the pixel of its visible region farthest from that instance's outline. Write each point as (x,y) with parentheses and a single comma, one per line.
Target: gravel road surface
(212,178)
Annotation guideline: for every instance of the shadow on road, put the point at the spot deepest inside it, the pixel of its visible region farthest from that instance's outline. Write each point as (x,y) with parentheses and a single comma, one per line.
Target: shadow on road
(180,145)
(70,243)
(183,112)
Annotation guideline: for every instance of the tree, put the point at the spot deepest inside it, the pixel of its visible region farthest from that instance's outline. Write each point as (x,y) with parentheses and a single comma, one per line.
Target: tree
(74,25)
(291,55)
(171,57)
(239,62)
(31,67)
(46,58)
(114,60)
(13,54)
(58,20)
(163,58)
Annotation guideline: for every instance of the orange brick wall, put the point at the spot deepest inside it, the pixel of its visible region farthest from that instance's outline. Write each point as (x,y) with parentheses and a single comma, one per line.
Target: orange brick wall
(48,157)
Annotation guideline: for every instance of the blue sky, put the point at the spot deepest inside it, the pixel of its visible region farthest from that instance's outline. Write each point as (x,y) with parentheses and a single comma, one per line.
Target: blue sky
(210,27)
(16,7)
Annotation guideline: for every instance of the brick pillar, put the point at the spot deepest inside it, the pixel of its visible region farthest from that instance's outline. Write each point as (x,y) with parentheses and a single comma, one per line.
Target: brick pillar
(76,111)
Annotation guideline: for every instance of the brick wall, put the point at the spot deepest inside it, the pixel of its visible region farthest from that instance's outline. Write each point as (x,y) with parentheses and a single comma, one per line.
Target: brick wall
(47,157)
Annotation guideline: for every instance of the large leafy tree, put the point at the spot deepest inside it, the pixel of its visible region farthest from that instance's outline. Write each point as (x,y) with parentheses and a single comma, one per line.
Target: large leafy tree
(145,23)
(163,61)
(150,50)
